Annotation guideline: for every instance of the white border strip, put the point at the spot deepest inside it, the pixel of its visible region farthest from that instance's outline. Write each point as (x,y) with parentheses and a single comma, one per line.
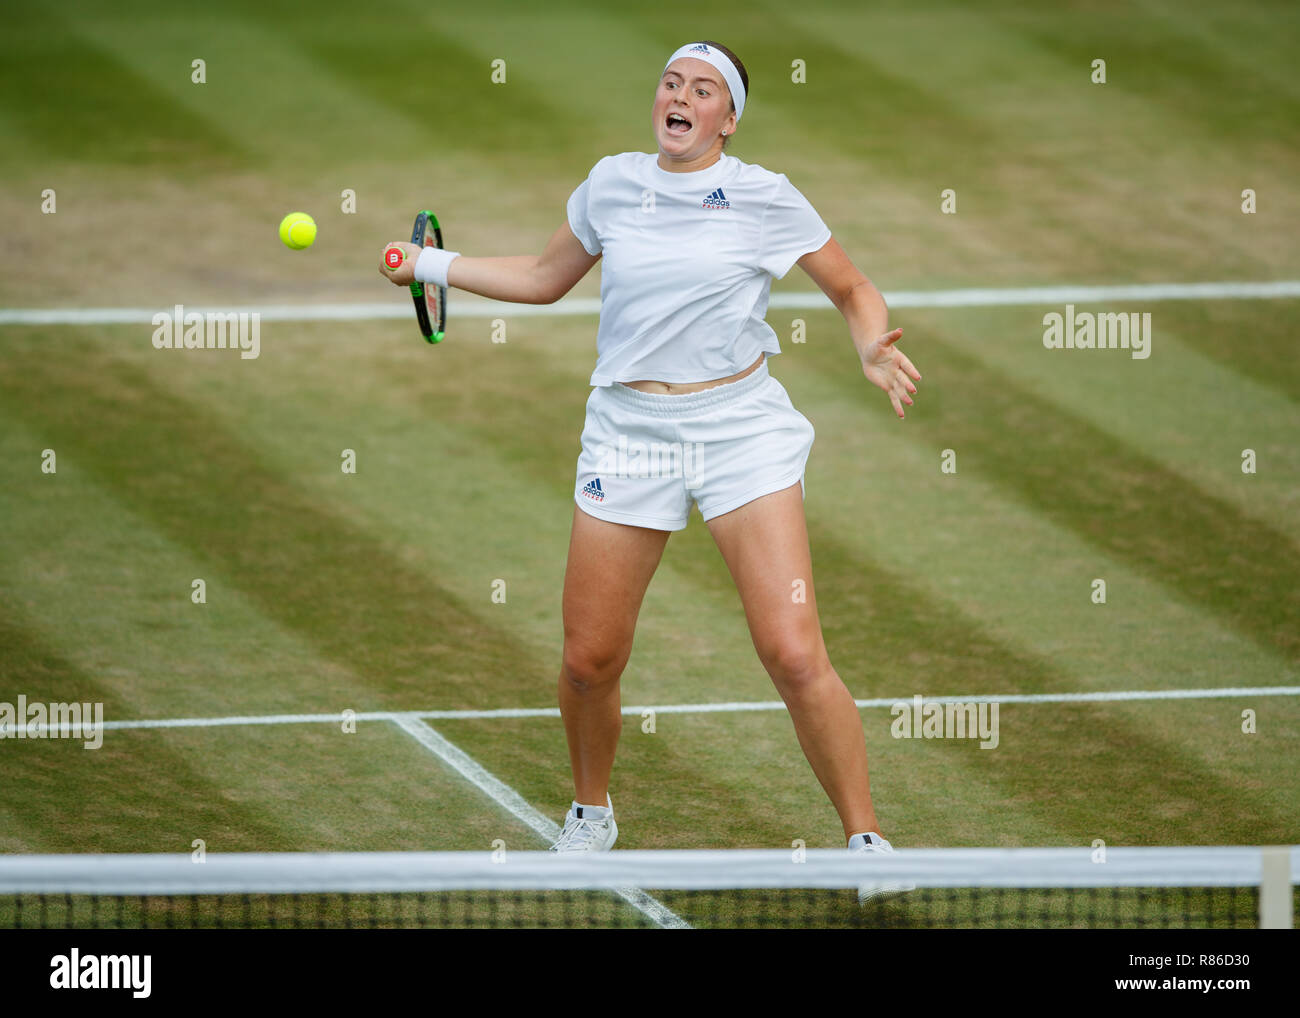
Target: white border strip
(670,869)
(678,708)
(468,306)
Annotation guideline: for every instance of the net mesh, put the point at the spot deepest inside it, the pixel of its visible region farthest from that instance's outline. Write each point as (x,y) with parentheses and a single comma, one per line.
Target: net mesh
(958,888)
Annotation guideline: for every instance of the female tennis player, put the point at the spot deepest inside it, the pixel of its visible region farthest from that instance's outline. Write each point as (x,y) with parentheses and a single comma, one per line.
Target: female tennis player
(691,240)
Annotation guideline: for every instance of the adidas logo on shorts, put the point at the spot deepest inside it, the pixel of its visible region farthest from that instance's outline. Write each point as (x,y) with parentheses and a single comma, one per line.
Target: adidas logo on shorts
(717,200)
(594,491)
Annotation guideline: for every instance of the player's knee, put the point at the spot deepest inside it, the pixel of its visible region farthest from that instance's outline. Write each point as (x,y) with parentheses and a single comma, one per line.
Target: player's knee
(588,667)
(795,665)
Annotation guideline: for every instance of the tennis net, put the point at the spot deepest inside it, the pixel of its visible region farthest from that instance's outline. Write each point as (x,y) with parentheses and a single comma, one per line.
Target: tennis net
(1036,888)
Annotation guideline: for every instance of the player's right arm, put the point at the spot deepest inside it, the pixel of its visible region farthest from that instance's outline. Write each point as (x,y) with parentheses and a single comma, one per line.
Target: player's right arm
(520,279)
(526,279)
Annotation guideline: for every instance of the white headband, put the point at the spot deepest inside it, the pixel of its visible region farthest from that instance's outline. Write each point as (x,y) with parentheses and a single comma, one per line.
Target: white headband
(702,51)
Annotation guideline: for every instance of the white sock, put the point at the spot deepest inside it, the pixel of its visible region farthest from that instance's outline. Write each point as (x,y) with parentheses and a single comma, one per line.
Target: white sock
(579,809)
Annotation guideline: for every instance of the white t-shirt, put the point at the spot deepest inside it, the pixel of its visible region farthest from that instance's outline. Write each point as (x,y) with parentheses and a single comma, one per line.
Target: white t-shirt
(688,260)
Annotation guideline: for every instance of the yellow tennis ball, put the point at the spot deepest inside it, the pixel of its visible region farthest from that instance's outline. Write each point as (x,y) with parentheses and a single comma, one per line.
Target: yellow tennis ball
(298,230)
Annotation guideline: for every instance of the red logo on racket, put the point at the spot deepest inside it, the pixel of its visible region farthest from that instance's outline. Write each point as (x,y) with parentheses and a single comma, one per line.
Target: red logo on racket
(393,257)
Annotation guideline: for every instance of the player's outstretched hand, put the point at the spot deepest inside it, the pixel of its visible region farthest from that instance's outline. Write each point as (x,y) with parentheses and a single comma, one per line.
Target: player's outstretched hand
(888,368)
(404,274)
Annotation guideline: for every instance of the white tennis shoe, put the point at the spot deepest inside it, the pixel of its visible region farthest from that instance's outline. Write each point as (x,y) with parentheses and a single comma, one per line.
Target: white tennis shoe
(874,844)
(587,833)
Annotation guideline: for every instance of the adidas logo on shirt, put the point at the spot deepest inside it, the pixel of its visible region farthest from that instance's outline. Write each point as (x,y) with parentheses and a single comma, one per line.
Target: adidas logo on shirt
(717,200)
(594,491)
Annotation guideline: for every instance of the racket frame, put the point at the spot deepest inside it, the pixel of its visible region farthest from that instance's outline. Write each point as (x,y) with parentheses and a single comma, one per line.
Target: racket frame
(427,233)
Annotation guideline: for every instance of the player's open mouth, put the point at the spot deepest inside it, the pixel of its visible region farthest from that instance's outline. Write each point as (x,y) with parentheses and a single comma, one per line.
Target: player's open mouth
(677,124)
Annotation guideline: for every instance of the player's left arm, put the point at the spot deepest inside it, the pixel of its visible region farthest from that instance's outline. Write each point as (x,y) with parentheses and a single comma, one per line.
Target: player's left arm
(867,316)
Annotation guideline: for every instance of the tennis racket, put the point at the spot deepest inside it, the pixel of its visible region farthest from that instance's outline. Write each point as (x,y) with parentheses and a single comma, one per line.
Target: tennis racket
(430,299)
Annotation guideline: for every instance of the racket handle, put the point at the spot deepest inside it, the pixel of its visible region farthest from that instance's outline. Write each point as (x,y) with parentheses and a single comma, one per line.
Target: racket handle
(393,258)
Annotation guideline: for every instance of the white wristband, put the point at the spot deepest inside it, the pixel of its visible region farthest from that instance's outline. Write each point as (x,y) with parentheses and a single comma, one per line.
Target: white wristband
(431,266)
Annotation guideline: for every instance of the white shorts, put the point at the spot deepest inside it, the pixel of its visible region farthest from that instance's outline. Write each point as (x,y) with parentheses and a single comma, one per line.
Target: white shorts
(647,456)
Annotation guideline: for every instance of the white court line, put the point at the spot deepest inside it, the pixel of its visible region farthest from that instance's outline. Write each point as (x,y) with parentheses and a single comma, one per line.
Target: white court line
(687,708)
(468,306)
(515,804)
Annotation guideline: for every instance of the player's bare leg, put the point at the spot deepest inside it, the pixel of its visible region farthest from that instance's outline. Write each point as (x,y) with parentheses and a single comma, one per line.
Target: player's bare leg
(609,569)
(765,545)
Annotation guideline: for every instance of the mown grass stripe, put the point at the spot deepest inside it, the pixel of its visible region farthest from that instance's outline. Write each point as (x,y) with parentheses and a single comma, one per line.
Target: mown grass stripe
(60,797)
(1170,67)
(207,489)
(1183,406)
(72,99)
(1131,505)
